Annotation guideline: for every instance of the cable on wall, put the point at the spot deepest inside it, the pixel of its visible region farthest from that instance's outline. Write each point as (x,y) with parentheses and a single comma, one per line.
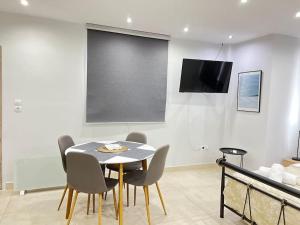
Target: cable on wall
(220,51)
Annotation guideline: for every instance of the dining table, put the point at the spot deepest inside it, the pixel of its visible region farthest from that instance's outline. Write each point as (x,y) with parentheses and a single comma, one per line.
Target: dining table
(135,152)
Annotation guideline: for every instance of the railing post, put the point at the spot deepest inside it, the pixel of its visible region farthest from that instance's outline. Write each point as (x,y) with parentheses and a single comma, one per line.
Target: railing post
(222,191)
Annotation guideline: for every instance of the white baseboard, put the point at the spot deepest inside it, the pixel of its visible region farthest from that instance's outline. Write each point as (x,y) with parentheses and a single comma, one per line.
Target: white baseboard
(191,167)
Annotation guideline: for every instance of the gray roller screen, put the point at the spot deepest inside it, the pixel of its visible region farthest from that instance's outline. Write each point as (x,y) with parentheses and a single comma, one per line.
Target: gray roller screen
(126,78)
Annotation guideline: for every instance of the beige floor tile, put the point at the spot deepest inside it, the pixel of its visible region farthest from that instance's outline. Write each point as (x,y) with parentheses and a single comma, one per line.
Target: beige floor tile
(191,197)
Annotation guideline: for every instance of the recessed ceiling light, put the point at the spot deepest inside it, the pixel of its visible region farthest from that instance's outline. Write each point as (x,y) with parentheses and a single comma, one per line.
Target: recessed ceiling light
(24,2)
(129,20)
(298,14)
(186,29)
(230,36)
(244,1)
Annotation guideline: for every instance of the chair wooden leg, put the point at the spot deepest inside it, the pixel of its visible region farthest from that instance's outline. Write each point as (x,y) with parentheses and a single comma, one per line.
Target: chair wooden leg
(115,203)
(109,174)
(134,195)
(100,210)
(127,195)
(93,203)
(72,208)
(147,204)
(62,197)
(161,198)
(148,195)
(88,204)
(69,202)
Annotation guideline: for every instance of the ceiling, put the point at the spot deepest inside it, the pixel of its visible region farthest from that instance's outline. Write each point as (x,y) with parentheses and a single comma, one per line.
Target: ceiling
(208,20)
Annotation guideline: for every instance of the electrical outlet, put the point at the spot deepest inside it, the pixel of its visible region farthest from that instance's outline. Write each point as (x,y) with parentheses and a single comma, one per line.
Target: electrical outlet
(204,147)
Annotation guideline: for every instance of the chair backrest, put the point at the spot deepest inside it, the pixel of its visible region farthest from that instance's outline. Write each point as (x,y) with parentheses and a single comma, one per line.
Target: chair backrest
(137,137)
(157,165)
(85,173)
(64,142)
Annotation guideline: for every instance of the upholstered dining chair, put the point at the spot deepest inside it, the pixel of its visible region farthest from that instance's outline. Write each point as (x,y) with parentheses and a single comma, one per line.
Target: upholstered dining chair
(85,175)
(65,142)
(128,167)
(145,178)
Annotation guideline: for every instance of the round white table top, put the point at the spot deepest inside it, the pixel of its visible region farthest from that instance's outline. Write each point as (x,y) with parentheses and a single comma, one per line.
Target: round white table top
(136,151)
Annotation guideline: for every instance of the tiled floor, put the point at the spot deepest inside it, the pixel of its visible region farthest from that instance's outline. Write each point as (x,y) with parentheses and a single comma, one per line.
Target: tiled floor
(191,196)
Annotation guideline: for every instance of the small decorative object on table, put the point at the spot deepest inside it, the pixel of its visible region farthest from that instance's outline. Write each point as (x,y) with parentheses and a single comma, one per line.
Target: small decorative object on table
(234,151)
(112,148)
(297,158)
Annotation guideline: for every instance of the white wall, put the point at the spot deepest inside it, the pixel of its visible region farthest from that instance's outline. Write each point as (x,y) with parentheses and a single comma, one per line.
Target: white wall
(271,135)
(247,130)
(44,64)
(283,115)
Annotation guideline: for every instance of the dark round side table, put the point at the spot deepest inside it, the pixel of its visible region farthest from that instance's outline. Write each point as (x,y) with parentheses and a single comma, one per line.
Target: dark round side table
(234,151)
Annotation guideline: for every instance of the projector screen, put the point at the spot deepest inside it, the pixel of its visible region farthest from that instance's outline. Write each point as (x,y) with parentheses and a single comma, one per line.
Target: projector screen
(126,78)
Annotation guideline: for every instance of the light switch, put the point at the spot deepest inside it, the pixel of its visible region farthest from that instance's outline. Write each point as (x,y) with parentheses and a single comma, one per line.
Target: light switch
(18,102)
(18,109)
(18,105)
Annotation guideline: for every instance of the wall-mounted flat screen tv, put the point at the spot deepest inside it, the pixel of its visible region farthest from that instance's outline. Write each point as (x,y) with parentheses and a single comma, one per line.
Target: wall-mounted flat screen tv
(205,76)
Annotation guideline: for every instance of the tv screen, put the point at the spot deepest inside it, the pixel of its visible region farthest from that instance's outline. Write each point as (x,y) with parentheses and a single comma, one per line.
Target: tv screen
(205,76)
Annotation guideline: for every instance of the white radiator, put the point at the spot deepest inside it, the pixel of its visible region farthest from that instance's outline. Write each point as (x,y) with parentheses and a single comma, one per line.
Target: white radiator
(38,173)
